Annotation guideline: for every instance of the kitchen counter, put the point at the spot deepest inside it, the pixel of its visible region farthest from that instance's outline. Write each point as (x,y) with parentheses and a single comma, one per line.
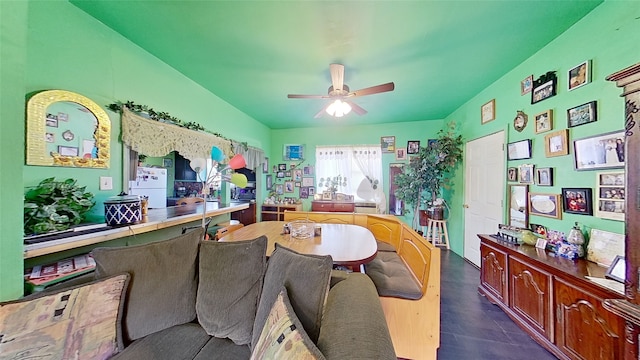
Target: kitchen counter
(156,219)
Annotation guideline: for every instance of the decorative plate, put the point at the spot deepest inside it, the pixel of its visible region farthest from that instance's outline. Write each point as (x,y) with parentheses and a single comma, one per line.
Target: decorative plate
(520,122)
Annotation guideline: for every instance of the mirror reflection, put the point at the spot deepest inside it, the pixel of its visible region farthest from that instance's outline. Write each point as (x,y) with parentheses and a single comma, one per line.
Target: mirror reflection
(67,129)
(518,212)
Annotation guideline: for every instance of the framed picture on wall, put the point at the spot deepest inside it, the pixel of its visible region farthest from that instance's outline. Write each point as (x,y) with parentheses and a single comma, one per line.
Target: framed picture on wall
(488,111)
(556,143)
(544,121)
(544,176)
(401,154)
(307,181)
(293,152)
(579,75)
(526,85)
(413,147)
(512,174)
(604,151)
(545,205)
(577,201)
(525,174)
(519,150)
(388,144)
(269,181)
(610,195)
(544,87)
(265,166)
(582,114)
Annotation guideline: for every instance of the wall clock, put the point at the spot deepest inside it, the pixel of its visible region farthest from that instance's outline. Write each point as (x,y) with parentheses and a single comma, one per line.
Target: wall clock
(520,122)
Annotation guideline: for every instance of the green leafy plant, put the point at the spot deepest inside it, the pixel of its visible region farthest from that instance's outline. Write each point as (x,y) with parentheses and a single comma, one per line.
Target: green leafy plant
(55,206)
(430,171)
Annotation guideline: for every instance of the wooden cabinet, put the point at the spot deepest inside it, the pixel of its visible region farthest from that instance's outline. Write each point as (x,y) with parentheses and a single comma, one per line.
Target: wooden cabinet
(245,216)
(276,212)
(183,171)
(550,298)
(629,308)
(333,206)
(493,277)
(584,329)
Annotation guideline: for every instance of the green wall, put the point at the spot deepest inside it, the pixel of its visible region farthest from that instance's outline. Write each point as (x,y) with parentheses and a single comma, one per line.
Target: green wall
(609,36)
(334,134)
(54,45)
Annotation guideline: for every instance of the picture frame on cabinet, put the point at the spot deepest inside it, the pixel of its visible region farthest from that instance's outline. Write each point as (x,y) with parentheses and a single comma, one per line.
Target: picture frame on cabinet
(544,87)
(326,195)
(603,151)
(544,176)
(556,143)
(604,246)
(577,201)
(544,121)
(582,114)
(610,196)
(525,174)
(488,111)
(579,75)
(526,85)
(617,269)
(519,150)
(547,205)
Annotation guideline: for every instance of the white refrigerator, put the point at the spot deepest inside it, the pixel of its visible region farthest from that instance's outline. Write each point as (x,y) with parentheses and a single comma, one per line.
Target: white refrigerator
(151,182)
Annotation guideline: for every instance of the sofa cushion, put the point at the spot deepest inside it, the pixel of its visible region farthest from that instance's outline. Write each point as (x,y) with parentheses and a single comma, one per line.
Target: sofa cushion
(174,343)
(82,320)
(392,277)
(162,290)
(229,285)
(306,278)
(384,246)
(282,336)
(223,349)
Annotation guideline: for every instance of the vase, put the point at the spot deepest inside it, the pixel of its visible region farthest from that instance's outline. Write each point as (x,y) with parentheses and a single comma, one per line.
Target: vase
(436,212)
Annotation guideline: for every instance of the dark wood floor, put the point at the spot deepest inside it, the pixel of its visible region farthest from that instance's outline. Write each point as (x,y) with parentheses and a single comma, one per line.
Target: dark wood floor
(473,328)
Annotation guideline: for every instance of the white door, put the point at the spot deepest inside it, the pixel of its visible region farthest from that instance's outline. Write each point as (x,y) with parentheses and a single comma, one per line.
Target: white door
(484,191)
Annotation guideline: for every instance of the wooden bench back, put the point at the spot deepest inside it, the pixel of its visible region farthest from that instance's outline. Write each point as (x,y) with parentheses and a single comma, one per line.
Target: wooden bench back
(320,217)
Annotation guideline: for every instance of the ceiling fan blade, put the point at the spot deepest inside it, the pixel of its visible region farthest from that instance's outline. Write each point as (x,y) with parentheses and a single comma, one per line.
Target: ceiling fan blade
(321,112)
(337,76)
(373,90)
(296,96)
(357,108)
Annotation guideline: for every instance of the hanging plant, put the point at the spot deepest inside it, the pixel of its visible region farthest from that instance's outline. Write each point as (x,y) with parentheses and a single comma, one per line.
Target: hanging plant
(55,206)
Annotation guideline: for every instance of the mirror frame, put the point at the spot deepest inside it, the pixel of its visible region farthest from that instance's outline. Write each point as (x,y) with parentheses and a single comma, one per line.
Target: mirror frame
(526,206)
(36,152)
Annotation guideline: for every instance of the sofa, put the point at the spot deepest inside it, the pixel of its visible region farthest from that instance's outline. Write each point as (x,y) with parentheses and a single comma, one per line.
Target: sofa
(184,298)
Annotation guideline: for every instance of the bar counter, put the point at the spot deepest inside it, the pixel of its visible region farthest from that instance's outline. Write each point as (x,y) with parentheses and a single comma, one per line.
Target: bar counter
(156,219)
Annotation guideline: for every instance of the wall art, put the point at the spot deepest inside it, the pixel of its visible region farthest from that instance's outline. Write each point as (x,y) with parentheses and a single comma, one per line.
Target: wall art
(582,114)
(544,87)
(519,150)
(488,111)
(604,151)
(579,75)
(577,201)
(556,143)
(545,205)
(544,121)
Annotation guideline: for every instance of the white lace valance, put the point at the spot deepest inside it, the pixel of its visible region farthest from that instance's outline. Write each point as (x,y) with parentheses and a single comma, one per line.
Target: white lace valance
(157,139)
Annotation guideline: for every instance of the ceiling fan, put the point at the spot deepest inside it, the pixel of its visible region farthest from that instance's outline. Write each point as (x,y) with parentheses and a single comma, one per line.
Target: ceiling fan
(339,92)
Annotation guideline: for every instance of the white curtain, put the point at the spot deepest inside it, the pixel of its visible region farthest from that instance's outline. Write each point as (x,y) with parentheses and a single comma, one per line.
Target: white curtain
(360,164)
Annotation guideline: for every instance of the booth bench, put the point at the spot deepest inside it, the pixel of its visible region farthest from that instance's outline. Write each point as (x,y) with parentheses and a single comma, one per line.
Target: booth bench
(414,324)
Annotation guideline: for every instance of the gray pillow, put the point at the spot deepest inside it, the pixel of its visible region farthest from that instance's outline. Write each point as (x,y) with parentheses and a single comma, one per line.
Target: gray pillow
(306,278)
(229,286)
(162,290)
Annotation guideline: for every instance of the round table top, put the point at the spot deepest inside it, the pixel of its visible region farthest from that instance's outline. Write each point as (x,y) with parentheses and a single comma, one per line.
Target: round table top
(347,244)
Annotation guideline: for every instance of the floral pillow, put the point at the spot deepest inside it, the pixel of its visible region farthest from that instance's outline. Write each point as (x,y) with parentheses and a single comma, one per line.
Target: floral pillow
(76,323)
(283,336)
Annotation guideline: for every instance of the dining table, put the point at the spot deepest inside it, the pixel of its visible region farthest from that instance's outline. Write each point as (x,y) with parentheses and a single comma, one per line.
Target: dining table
(350,246)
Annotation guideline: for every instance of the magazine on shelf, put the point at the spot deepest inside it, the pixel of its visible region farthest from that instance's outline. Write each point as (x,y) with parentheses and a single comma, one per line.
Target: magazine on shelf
(43,275)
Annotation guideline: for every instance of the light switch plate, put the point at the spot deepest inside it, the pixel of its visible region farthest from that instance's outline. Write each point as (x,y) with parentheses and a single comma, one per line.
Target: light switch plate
(106,183)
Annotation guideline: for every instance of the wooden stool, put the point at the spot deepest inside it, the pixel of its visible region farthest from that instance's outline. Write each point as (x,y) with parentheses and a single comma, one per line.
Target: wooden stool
(437,233)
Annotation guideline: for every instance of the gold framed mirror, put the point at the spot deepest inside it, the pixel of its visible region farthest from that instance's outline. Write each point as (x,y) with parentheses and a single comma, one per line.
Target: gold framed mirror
(67,129)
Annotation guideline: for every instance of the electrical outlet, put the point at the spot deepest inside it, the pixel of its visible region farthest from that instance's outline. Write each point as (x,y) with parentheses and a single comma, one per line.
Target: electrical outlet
(106,183)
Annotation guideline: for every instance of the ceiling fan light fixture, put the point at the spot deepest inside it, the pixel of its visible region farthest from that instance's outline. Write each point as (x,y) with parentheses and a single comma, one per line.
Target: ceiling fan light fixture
(338,108)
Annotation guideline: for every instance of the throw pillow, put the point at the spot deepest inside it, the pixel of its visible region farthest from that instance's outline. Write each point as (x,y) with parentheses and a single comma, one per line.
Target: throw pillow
(81,322)
(162,290)
(306,278)
(229,286)
(282,336)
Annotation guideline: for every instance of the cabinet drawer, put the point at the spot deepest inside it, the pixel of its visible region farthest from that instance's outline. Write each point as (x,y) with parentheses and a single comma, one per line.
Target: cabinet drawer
(493,273)
(344,207)
(530,296)
(321,206)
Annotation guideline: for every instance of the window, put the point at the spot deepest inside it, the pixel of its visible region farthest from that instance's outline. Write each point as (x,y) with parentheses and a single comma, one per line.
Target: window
(359,168)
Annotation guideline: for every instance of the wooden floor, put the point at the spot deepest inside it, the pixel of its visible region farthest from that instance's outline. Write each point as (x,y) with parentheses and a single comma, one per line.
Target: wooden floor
(473,328)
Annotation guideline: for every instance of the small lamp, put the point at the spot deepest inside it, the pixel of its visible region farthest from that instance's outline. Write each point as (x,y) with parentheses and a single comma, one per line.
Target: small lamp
(338,108)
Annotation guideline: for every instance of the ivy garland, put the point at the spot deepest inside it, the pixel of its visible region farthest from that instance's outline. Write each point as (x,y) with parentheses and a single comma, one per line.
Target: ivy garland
(165,117)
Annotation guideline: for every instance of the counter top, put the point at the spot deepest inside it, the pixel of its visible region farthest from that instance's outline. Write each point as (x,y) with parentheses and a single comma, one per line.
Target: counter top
(155,219)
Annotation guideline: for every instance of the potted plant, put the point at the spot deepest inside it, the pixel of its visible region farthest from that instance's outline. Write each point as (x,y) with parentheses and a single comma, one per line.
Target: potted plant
(55,206)
(429,172)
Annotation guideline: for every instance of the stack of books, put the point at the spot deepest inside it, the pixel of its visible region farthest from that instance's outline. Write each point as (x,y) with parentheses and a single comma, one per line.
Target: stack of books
(41,276)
